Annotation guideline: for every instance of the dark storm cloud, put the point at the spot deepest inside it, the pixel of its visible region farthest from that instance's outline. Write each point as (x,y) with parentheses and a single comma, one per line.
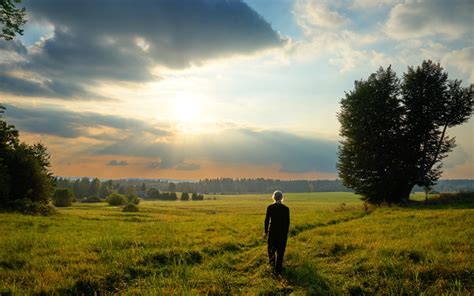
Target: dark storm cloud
(295,153)
(122,40)
(237,146)
(13,46)
(69,124)
(117,163)
(50,89)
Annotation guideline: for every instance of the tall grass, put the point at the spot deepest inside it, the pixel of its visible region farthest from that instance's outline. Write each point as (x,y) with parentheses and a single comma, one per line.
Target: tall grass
(215,247)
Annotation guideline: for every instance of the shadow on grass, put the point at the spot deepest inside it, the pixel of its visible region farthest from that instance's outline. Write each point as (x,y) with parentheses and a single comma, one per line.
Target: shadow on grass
(173,257)
(458,200)
(114,283)
(307,277)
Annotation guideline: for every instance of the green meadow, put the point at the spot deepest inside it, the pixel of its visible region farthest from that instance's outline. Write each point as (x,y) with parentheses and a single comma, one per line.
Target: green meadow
(216,247)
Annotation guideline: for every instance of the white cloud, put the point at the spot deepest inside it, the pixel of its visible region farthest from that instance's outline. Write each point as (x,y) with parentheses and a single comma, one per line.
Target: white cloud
(312,14)
(371,4)
(429,30)
(414,19)
(327,31)
(462,59)
(458,62)
(348,59)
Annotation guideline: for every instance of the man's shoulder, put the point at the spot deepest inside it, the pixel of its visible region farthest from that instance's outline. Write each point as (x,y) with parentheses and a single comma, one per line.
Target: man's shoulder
(277,205)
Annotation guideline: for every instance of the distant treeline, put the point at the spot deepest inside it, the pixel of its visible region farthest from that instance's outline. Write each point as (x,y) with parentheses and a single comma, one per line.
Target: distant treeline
(89,187)
(94,187)
(93,190)
(455,185)
(259,185)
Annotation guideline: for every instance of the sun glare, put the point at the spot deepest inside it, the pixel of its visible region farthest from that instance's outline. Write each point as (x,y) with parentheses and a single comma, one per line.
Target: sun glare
(187,109)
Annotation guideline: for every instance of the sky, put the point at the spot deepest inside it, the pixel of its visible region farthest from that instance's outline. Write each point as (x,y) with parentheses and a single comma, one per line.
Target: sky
(195,89)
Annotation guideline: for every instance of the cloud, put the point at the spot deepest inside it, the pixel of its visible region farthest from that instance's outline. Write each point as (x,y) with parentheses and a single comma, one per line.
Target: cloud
(96,41)
(332,30)
(46,88)
(117,163)
(188,167)
(348,59)
(458,157)
(11,51)
(170,164)
(311,13)
(416,19)
(462,59)
(233,146)
(371,4)
(153,165)
(68,124)
(457,61)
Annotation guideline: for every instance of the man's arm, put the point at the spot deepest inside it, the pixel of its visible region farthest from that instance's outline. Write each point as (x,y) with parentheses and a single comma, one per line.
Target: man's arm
(267,220)
(287,224)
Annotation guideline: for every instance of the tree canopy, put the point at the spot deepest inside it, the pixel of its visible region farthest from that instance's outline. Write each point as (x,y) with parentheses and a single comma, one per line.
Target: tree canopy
(24,171)
(11,19)
(395,130)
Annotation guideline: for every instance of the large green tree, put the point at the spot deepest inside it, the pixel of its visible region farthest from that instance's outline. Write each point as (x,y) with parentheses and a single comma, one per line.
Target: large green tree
(395,131)
(11,19)
(24,170)
(370,124)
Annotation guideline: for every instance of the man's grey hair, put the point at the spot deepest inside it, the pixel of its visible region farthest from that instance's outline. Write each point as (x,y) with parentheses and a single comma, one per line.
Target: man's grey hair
(277,195)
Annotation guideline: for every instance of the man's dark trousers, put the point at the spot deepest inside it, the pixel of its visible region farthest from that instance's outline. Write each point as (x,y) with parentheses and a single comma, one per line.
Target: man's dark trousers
(276,246)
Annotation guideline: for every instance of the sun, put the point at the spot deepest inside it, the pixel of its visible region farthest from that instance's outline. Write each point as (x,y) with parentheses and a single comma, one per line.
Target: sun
(187,111)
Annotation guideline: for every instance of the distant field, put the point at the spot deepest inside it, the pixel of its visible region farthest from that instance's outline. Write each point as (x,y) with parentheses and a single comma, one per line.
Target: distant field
(215,247)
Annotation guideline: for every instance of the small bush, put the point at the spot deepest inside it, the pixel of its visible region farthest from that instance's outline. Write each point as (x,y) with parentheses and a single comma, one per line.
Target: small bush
(116,199)
(26,206)
(153,193)
(173,196)
(130,208)
(62,198)
(168,196)
(164,195)
(185,196)
(196,196)
(462,196)
(92,199)
(133,199)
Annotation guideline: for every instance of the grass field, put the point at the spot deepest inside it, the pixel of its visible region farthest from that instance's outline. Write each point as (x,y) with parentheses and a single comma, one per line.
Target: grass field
(215,247)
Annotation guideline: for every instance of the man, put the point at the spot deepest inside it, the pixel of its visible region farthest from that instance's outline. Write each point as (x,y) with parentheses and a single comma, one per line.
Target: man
(277,222)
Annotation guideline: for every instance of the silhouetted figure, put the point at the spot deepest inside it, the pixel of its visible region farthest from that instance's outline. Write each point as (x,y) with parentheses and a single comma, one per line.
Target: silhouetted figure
(277,222)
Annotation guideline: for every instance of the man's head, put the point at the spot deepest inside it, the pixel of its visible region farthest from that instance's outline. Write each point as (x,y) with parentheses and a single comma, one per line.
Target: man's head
(277,196)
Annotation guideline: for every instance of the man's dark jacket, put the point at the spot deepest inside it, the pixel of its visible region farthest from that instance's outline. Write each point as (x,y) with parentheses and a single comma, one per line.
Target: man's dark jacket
(278,218)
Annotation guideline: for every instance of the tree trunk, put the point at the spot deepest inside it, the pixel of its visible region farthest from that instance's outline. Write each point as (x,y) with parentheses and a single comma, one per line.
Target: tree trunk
(405,193)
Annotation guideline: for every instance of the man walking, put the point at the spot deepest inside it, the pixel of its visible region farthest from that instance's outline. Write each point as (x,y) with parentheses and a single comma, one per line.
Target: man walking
(277,222)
